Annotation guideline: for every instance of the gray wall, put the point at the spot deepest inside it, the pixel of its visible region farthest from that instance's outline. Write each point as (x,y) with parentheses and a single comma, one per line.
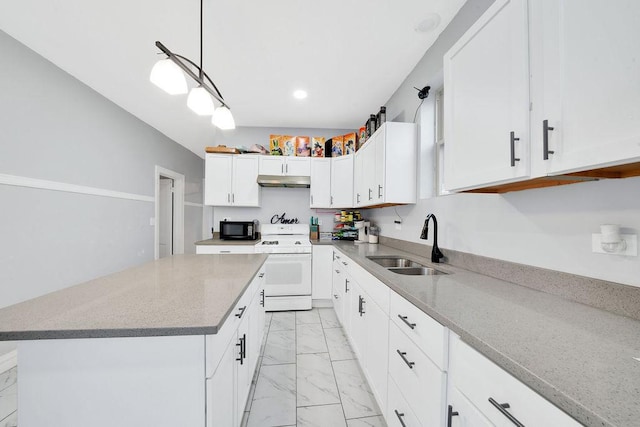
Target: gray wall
(549,227)
(54,128)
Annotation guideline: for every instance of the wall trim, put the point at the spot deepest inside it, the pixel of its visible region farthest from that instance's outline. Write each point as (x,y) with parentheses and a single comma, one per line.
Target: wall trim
(8,360)
(44,184)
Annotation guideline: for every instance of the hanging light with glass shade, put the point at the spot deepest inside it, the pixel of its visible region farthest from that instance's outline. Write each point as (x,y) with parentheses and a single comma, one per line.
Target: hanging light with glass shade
(169,75)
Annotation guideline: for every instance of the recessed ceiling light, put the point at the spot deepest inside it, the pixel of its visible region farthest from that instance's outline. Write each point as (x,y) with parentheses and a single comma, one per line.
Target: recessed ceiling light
(430,22)
(300,94)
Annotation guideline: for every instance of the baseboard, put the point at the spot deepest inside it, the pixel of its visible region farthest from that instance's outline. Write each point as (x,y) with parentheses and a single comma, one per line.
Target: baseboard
(8,361)
(322,303)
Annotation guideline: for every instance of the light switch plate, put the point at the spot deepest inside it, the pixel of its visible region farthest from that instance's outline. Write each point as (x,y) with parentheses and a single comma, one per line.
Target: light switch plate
(630,239)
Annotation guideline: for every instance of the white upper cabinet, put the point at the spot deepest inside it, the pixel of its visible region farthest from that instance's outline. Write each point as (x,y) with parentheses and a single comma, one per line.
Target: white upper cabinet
(230,180)
(543,88)
(217,178)
(486,78)
(586,59)
(285,165)
(385,171)
(320,191)
(342,181)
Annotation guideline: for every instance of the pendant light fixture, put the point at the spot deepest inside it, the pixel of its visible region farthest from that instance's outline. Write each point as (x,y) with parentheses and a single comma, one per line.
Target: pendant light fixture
(169,75)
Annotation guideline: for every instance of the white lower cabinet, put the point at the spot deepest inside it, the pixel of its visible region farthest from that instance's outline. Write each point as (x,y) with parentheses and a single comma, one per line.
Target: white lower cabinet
(501,398)
(224,249)
(421,382)
(227,388)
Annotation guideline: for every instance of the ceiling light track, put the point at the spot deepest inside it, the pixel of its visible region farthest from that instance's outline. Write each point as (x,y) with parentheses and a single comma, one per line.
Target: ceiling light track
(169,75)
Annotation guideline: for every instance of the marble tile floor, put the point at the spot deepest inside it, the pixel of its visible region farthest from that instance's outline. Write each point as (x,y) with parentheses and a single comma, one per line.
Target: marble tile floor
(308,376)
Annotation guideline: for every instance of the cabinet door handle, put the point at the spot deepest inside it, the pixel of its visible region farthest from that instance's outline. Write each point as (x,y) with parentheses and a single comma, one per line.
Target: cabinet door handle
(241,344)
(338,271)
(404,319)
(312,199)
(450,414)
(242,309)
(335,296)
(287,168)
(402,354)
(545,140)
(346,285)
(233,197)
(332,200)
(361,302)
(344,263)
(262,298)
(282,168)
(400,415)
(513,139)
(225,252)
(358,198)
(502,407)
(229,197)
(261,275)
(379,191)
(370,191)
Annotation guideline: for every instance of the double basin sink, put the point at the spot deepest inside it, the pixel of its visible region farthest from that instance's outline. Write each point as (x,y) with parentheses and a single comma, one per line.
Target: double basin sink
(406,266)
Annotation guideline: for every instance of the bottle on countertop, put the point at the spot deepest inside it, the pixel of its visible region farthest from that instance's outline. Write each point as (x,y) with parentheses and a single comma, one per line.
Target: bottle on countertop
(374,231)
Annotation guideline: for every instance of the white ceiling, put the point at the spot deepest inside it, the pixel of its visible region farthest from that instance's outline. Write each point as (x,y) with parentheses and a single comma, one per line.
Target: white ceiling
(349,55)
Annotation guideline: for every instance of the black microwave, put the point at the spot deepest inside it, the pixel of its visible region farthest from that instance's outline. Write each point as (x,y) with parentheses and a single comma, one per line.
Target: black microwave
(238,230)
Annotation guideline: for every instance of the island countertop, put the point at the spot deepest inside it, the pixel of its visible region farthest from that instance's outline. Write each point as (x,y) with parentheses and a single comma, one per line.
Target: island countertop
(177,295)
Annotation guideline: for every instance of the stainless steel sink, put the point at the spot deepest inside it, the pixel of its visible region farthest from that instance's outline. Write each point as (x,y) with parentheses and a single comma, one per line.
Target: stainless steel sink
(391,261)
(416,271)
(401,265)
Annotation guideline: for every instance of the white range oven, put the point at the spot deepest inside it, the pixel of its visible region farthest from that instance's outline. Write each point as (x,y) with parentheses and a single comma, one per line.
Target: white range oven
(288,269)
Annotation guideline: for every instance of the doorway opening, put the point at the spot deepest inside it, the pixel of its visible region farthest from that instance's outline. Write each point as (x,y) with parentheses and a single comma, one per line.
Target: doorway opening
(169,213)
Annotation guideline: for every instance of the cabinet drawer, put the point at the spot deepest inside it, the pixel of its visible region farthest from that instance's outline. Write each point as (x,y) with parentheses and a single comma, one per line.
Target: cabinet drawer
(224,249)
(479,380)
(377,290)
(466,415)
(420,381)
(426,333)
(398,410)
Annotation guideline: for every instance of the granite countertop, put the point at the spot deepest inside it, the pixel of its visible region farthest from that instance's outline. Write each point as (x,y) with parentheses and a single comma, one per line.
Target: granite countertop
(578,357)
(178,295)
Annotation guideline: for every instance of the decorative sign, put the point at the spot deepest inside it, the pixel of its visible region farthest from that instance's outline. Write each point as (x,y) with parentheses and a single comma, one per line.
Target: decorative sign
(282,220)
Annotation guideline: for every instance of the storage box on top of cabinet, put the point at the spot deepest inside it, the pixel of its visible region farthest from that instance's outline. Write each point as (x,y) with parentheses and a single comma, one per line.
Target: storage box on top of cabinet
(543,88)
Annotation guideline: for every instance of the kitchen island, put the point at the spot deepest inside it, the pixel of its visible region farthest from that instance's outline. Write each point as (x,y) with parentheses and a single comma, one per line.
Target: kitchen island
(142,346)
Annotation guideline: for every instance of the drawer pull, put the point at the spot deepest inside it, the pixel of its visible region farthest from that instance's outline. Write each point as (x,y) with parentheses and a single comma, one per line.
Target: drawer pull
(261,275)
(450,414)
(262,298)
(346,285)
(335,296)
(361,302)
(338,271)
(404,319)
(502,407)
(402,354)
(242,309)
(243,349)
(399,415)
(225,252)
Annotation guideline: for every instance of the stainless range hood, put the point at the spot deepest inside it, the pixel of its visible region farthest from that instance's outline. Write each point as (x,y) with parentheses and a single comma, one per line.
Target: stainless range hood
(284,181)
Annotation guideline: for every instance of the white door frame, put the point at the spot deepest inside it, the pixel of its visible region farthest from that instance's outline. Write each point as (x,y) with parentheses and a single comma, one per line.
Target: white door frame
(178,210)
